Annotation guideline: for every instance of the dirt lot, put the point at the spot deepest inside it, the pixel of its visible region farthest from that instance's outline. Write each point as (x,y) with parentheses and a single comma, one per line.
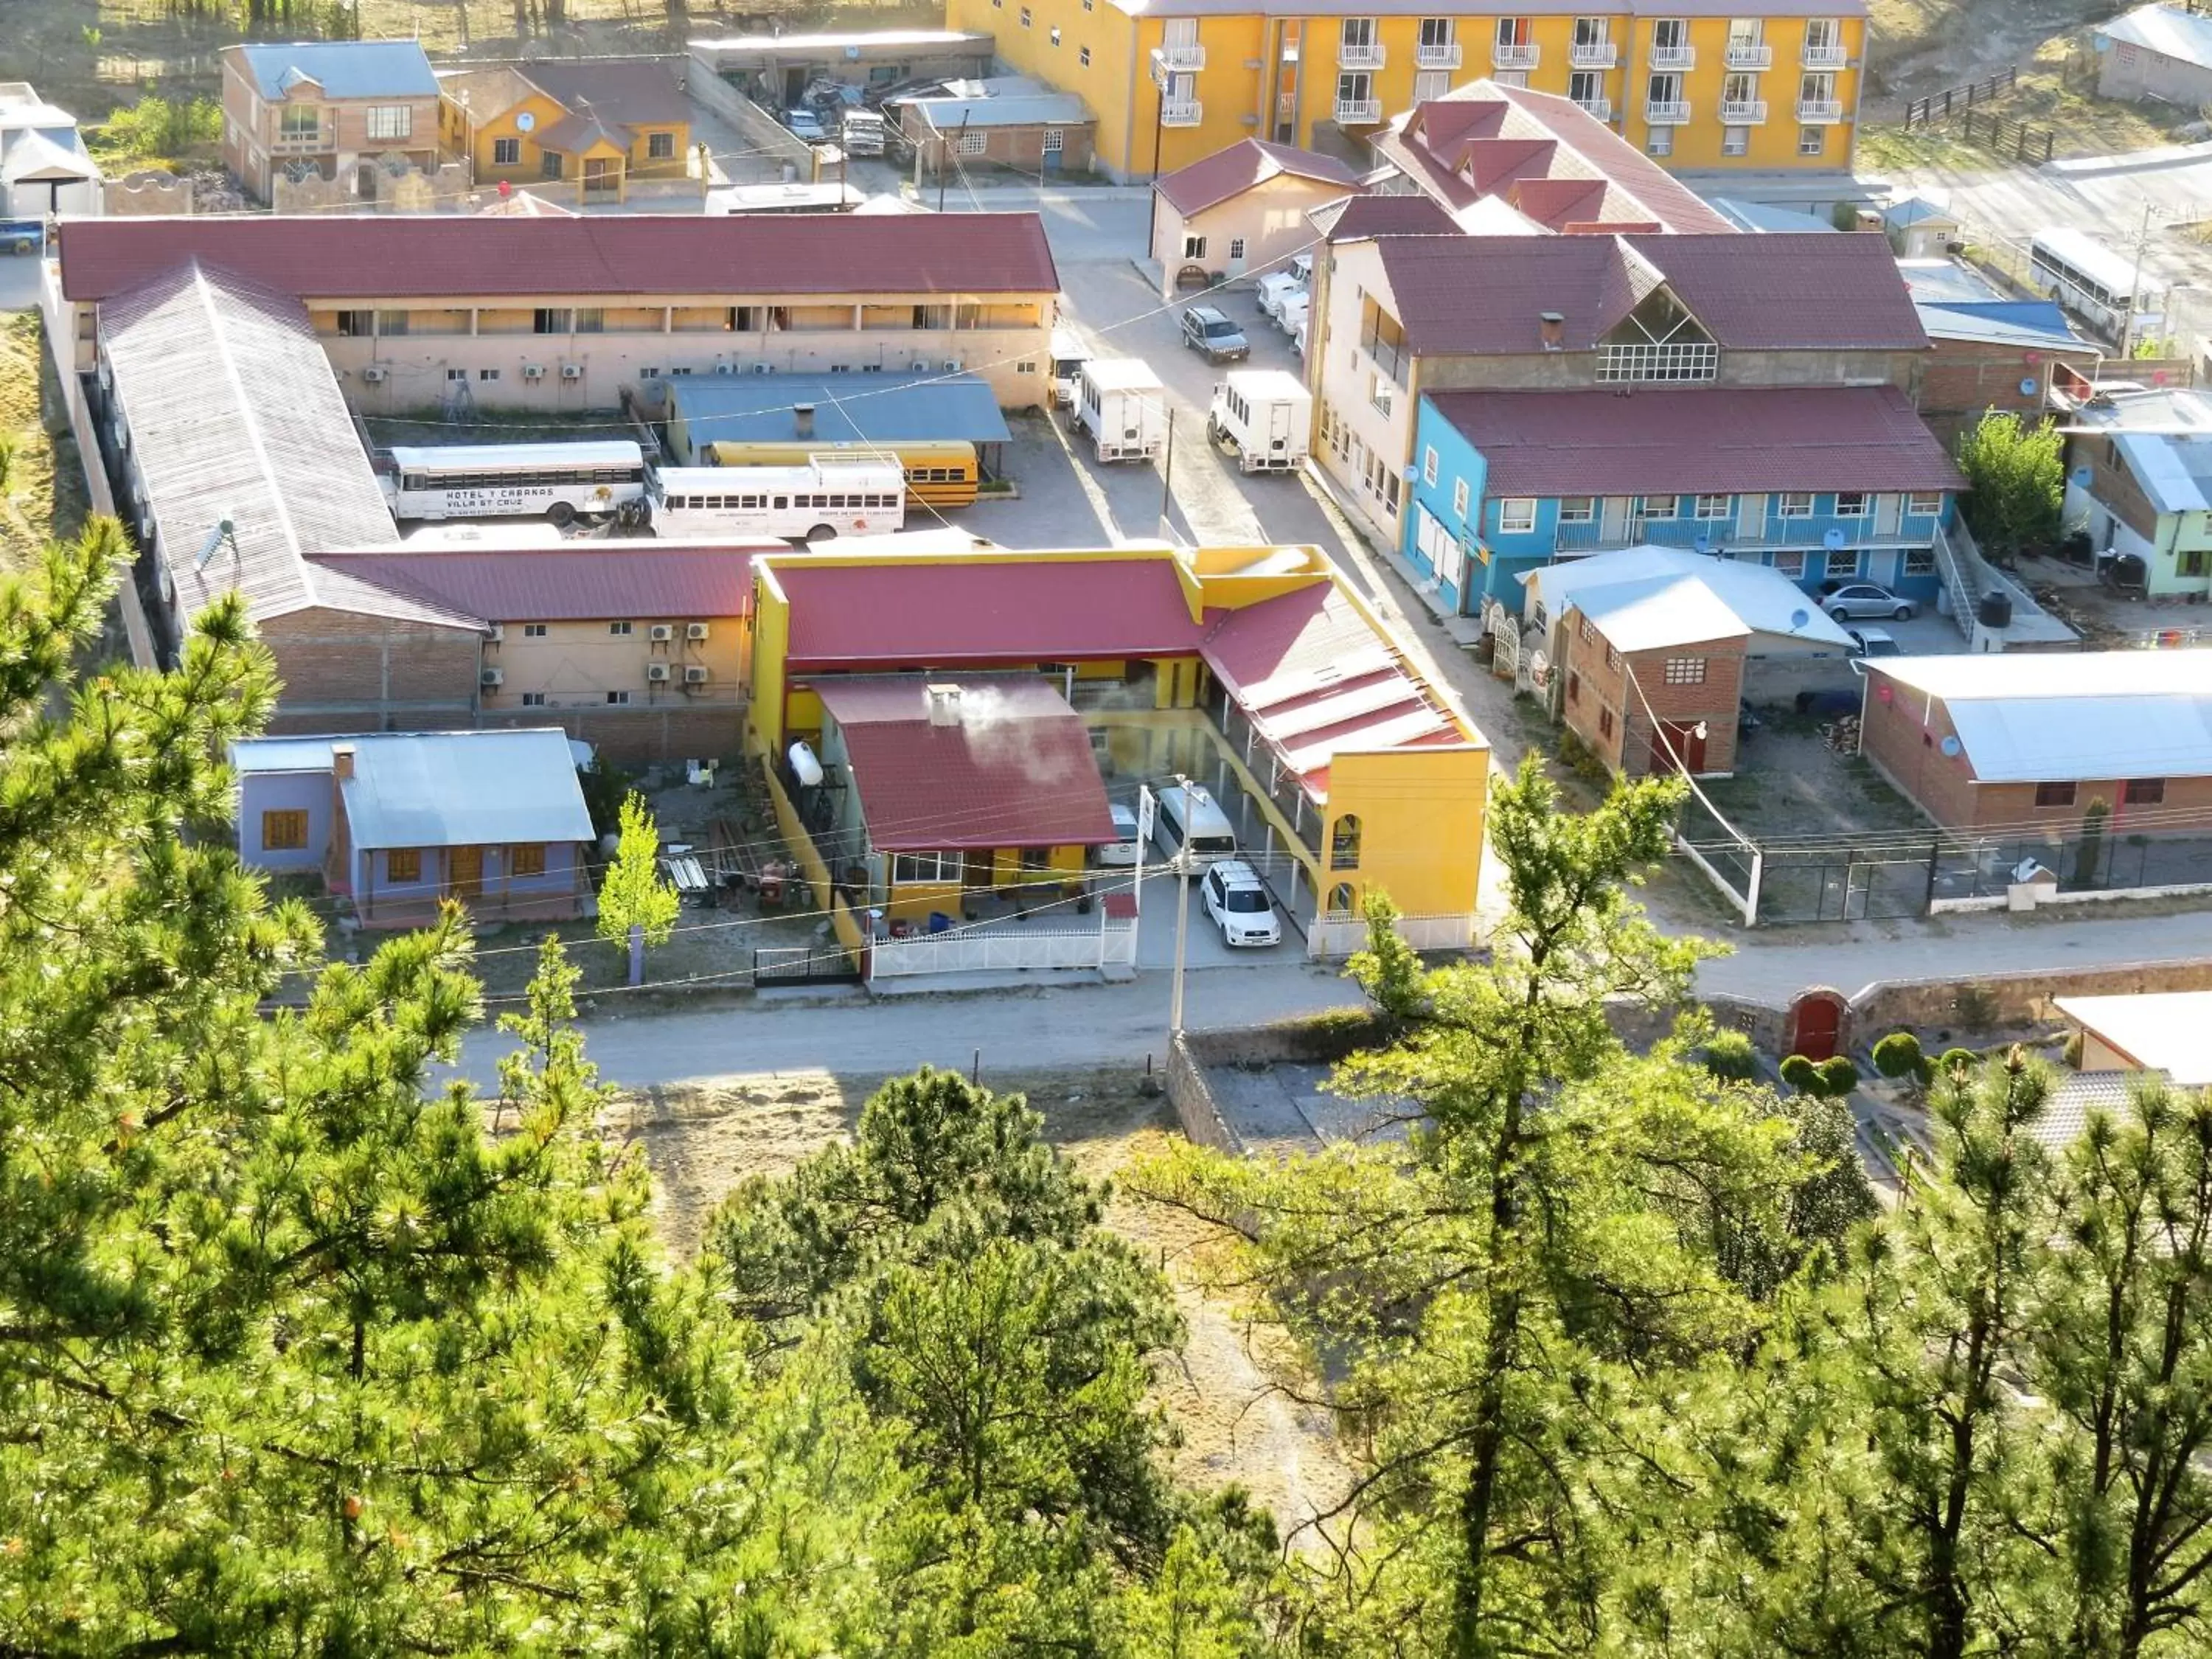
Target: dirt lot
(44,496)
(1236,1426)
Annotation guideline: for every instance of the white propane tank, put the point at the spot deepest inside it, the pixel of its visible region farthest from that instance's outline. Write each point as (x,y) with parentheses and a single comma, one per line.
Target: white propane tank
(803,766)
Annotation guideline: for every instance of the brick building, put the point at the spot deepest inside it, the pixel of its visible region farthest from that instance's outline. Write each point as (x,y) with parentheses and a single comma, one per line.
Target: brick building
(335,107)
(2019,742)
(1990,351)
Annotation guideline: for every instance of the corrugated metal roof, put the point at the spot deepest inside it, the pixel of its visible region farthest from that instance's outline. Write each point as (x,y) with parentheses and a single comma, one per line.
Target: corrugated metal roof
(464,789)
(1017,771)
(1243,165)
(581,453)
(1761,599)
(2175,472)
(343,68)
(233,411)
(2167,30)
(594,581)
(257,754)
(1706,441)
(2043,717)
(1659,611)
(338,256)
(2168,1031)
(879,408)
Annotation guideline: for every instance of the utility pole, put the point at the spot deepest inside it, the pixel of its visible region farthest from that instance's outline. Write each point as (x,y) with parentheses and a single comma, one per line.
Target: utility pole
(1182,918)
(944,154)
(2135,288)
(1167,472)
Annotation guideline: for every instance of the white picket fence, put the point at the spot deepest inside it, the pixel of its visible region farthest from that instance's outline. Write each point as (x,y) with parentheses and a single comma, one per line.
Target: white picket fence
(1001,949)
(1340,932)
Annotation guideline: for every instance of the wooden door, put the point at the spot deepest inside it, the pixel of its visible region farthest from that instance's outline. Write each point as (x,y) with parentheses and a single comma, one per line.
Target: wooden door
(978,869)
(1685,740)
(1816,1024)
(464,872)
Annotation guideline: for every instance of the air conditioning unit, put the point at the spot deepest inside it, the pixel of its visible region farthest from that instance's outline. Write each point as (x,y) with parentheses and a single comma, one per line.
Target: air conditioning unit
(726,368)
(533,371)
(951,365)
(694,674)
(571,371)
(663,632)
(656,672)
(695,630)
(491,678)
(921,365)
(498,632)
(760,368)
(374,374)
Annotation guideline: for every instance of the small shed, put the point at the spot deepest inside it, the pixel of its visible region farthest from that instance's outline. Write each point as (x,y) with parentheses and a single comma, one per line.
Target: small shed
(1919,227)
(1006,121)
(2155,51)
(1242,209)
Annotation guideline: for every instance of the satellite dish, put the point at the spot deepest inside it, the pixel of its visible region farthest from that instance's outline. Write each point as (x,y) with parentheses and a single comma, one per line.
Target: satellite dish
(2081,477)
(226,530)
(1949,746)
(1799,618)
(2027,386)
(1539,667)
(525,122)
(1704,544)
(1833,540)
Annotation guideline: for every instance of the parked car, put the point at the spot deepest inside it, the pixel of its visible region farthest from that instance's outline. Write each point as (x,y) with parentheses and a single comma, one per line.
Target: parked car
(1856,600)
(807,123)
(1124,848)
(1237,901)
(1211,334)
(1871,642)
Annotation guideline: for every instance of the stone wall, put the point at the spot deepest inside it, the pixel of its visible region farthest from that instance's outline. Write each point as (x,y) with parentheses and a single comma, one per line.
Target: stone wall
(143,194)
(1999,1002)
(1317,1039)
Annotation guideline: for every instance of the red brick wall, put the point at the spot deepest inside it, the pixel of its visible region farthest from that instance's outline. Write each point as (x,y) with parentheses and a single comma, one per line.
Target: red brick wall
(344,671)
(642,737)
(1597,688)
(1960,379)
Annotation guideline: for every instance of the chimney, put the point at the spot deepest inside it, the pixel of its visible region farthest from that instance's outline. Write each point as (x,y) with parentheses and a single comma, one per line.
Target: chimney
(342,761)
(802,420)
(1552,326)
(943,704)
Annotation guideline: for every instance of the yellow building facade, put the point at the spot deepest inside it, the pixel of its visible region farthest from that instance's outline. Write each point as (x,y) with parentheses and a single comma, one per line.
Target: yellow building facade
(1720,86)
(513,132)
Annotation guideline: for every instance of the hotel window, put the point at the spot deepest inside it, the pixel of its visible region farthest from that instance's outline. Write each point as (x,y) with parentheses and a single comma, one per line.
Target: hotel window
(285,831)
(1919,562)
(1516,515)
(505,152)
(1577,509)
(1791,565)
(928,869)
(527,860)
(1586,87)
(2143,792)
(1735,141)
(1923,505)
(1812,141)
(1429,464)
(1438,33)
(2054,794)
(1794,504)
(1659,141)
(403,864)
(389,121)
(533,630)
(1658,506)
(552,319)
(1852,503)
(356,325)
(1428,85)
(1459,498)
(1356,35)
(1685,670)
(1714,506)
(660,146)
(1669,34)
(617,698)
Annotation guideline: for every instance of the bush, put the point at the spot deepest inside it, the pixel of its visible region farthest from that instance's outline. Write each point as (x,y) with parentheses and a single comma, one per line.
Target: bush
(1899,1055)
(2071,1053)
(1579,758)
(1957,1060)
(1729,1054)
(1838,1077)
(157,128)
(1802,1074)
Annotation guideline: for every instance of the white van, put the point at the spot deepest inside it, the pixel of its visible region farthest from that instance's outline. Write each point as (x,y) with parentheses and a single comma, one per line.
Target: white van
(1187,817)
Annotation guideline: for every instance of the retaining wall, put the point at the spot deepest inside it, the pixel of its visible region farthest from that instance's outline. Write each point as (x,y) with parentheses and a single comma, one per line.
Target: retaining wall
(1317,1039)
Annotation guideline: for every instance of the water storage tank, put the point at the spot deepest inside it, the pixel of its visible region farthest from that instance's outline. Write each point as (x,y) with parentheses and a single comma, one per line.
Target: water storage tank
(1995,609)
(803,766)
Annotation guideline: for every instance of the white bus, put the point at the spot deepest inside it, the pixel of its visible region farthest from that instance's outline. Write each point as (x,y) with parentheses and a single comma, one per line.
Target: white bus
(2092,281)
(563,481)
(821,499)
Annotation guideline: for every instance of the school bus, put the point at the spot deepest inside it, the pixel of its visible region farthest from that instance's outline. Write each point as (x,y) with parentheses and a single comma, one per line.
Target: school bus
(938,473)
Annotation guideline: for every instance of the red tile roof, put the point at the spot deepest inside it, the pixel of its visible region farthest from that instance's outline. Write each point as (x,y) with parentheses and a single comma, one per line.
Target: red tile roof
(943,613)
(596,580)
(1017,771)
(1713,441)
(1482,295)
(350,256)
(1249,162)
(1357,217)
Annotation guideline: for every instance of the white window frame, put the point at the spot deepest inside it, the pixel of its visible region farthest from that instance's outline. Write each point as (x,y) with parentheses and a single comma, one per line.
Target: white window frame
(1813,141)
(1659,141)
(1646,511)
(928,869)
(1684,671)
(390,122)
(1516,515)
(1586,512)
(975,143)
(1054,139)
(1833,569)
(1918,561)
(1735,141)
(1429,464)
(1460,497)
(1793,504)
(1711,507)
(1924,504)
(1791,564)
(1864,509)
(1194,248)
(1236,247)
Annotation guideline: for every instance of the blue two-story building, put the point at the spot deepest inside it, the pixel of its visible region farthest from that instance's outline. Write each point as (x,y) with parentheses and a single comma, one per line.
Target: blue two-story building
(1820,483)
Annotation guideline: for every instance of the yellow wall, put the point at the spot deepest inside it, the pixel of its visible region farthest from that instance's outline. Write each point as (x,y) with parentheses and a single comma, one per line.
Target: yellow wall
(1421,826)
(573,665)
(529,168)
(1237,100)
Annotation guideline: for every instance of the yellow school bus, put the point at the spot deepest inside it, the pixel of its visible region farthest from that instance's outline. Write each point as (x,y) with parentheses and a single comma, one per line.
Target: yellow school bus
(938,473)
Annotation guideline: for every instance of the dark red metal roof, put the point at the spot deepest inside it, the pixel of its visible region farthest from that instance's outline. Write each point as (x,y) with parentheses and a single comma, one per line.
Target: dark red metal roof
(363,256)
(943,613)
(1017,771)
(677,580)
(1713,441)
(1249,162)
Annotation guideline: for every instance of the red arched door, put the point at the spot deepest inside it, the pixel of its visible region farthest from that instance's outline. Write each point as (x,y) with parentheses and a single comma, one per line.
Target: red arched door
(1816,1024)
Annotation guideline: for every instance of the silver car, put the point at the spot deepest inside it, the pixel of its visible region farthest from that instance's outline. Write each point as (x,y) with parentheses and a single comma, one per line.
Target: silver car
(1856,600)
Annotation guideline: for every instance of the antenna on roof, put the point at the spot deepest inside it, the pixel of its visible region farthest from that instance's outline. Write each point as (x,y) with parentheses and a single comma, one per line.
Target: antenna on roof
(226,530)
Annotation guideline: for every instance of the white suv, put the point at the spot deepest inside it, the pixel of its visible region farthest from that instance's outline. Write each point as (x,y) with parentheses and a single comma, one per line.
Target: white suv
(1237,901)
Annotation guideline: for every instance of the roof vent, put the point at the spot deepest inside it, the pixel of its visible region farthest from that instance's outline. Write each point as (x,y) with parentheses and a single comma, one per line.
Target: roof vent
(1552,326)
(342,761)
(943,704)
(802,420)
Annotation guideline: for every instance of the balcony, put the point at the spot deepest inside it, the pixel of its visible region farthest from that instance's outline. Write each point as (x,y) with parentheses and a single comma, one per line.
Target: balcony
(1444,56)
(1358,58)
(1514,56)
(1749,55)
(1359,111)
(1823,57)
(1186,55)
(1673,58)
(291,144)
(1181,112)
(1659,114)
(1805,534)
(1598,109)
(1593,54)
(1743,111)
(1820,112)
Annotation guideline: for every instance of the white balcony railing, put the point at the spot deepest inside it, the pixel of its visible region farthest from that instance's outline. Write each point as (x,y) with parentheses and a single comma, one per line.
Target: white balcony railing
(1823,57)
(1439,57)
(1667,114)
(1743,111)
(318,138)
(1359,57)
(1595,54)
(1181,112)
(1517,57)
(1359,111)
(1673,57)
(1749,55)
(1186,56)
(1598,109)
(1819,111)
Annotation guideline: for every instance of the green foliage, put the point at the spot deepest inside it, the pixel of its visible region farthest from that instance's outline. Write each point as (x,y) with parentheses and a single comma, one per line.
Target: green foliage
(1389,971)
(1802,1074)
(10,446)
(637,906)
(157,129)
(1952,1061)
(605,788)
(1839,1076)
(2015,479)
(1899,1055)
(2091,847)
(1583,762)
(1729,1054)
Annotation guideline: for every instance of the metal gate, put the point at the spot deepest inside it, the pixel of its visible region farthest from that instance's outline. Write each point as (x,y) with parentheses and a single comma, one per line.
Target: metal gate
(1832,885)
(801,964)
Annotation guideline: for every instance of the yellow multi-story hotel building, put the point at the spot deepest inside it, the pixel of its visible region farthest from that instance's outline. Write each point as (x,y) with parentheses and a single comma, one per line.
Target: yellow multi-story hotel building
(1700,84)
